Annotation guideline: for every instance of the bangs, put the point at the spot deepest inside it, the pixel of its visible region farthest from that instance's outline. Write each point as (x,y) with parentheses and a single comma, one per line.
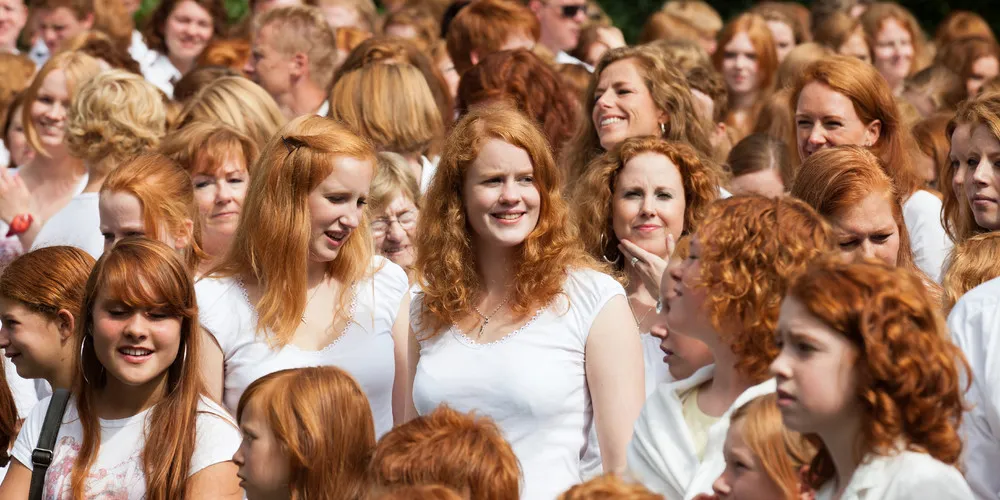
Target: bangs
(210,159)
(145,286)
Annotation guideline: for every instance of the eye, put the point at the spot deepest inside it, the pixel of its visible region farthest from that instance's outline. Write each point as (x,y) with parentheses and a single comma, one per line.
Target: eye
(362,202)
(336,198)
(108,236)
(492,181)
(632,194)
(135,234)
(804,347)
(779,343)
(201,184)
(236,180)
(159,314)
(881,238)
(527,179)
(803,123)
(10,323)
(623,91)
(848,244)
(664,196)
(832,124)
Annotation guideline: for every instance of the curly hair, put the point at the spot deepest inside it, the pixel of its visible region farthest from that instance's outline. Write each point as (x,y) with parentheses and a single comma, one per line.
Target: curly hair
(592,195)
(529,83)
(418,492)
(752,247)
(971,263)
(609,487)
(446,261)
(909,372)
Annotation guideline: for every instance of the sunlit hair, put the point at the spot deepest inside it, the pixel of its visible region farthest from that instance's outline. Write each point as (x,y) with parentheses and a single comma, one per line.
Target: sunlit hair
(115,115)
(395,177)
(663,26)
(318,415)
(821,10)
(232,53)
(760,36)
(390,105)
(942,87)
(908,370)
(346,40)
(961,24)
(48,280)
(667,87)
(696,13)
(781,452)
(836,30)
(775,120)
(961,55)
(932,141)
(527,82)
(205,148)
(751,249)
(77,67)
(237,102)
(575,78)
(18,71)
(466,452)
(592,195)
(758,152)
(302,29)
(271,243)
(971,263)
(484,26)
(873,100)
(99,45)
(418,492)
(983,111)
(609,487)
(424,24)
(875,17)
(367,13)
(797,60)
(154,33)
(781,12)
(199,78)
(143,274)
(684,53)
(114,23)
(446,258)
(167,197)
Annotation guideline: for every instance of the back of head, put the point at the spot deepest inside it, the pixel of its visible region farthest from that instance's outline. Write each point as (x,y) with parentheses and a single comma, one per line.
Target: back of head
(835,30)
(425,27)
(99,45)
(48,280)
(609,487)
(199,78)
(229,53)
(780,452)
(775,120)
(962,24)
(757,152)
(484,26)
(418,492)
(696,13)
(300,29)
(932,141)
(797,60)
(786,13)
(237,102)
(685,53)
(971,263)
(17,70)
(669,27)
(934,88)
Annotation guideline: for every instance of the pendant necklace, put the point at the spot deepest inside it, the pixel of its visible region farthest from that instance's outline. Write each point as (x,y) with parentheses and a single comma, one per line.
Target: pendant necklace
(486,319)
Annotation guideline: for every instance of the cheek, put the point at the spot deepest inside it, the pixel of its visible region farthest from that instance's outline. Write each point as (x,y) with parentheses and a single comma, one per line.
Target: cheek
(205,198)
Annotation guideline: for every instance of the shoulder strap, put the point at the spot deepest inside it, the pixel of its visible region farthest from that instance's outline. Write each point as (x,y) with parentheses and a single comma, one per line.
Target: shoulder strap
(41,457)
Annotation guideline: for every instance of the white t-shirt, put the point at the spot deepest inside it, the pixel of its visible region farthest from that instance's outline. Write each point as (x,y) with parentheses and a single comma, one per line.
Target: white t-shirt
(532,383)
(117,471)
(159,71)
(656,370)
(904,476)
(10,247)
(930,244)
(138,48)
(78,225)
(366,349)
(23,389)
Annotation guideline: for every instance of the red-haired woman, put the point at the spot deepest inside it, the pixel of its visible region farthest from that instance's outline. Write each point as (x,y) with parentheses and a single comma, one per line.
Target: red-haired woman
(896,41)
(726,294)
(867,367)
(177,33)
(137,424)
(748,61)
(514,321)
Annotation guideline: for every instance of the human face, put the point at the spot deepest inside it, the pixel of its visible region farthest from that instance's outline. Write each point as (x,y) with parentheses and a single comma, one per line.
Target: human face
(982,178)
(744,477)
(958,156)
(17,142)
(784,38)
(262,460)
(856,46)
(394,228)
(765,182)
(686,313)
(30,340)
(623,106)
(683,355)
(50,110)
(187,31)
(60,24)
(817,383)
(502,201)
(219,196)
(893,52)
(868,230)
(266,66)
(983,70)
(925,166)
(825,118)
(648,202)
(336,206)
(739,65)
(122,217)
(13,16)
(559,32)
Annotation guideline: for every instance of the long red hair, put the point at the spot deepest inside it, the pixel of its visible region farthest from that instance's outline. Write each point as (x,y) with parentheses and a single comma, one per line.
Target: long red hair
(755,26)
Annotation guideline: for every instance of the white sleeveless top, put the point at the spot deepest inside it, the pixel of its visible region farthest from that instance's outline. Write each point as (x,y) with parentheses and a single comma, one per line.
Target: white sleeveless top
(533,382)
(365,349)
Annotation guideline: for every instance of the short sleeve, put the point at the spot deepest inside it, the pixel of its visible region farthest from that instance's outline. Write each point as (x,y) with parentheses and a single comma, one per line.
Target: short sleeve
(223,311)
(930,243)
(217,439)
(391,286)
(932,479)
(588,291)
(27,439)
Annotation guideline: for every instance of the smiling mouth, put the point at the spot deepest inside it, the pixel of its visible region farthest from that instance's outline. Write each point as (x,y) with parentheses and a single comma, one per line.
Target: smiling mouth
(508,217)
(611,120)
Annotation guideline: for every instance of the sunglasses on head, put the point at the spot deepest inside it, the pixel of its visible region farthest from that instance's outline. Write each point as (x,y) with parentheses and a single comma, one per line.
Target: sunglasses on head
(570,11)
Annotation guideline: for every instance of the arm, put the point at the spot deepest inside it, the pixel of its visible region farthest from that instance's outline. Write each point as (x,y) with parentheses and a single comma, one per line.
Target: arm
(17,482)
(212,366)
(615,376)
(402,397)
(412,357)
(217,481)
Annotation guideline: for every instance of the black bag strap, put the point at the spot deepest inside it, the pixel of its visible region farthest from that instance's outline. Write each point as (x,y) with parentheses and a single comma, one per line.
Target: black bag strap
(41,457)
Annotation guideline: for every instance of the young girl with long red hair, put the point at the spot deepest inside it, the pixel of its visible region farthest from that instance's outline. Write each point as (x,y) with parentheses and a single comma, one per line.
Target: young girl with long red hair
(138,424)
(868,371)
(748,60)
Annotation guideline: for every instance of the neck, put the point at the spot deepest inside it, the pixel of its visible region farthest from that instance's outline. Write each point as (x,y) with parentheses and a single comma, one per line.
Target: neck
(95,181)
(315,274)
(304,98)
(62,376)
(117,400)
(216,246)
(56,168)
(727,382)
(182,65)
(496,268)
(742,102)
(841,441)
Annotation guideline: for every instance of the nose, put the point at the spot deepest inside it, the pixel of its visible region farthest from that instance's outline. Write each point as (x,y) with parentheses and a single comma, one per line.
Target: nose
(508,193)
(721,485)
(604,101)
(816,136)
(647,206)
(778,367)
(581,16)
(866,250)
(249,68)
(675,272)
(224,194)
(238,456)
(742,62)
(352,218)
(983,172)
(394,232)
(137,326)
(4,338)
(659,331)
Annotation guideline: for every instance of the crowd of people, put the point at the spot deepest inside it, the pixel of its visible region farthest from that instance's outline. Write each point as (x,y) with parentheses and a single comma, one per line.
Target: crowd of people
(486,249)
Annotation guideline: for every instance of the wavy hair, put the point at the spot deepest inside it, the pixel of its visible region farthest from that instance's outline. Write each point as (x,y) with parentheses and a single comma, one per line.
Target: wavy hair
(48,280)
(78,68)
(205,148)
(961,24)
(908,370)
(782,452)
(446,258)
(971,263)
(299,407)
(154,31)
(592,196)
(271,243)
(752,247)
(237,102)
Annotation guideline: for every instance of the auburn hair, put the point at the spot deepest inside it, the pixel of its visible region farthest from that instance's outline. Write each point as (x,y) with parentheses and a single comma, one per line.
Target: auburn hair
(751,249)
(48,280)
(484,27)
(154,32)
(608,487)
(299,406)
(960,56)
(466,452)
(663,26)
(271,243)
(593,195)
(230,53)
(908,371)
(983,111)
(961,24)
(446,258)
(143,274)
(781,452)
(971,263)
(77,67)
(18,71)
(418,492)
(932,141)
(204,148)
(755,26)
(956,214)
(166,194)
(758,152)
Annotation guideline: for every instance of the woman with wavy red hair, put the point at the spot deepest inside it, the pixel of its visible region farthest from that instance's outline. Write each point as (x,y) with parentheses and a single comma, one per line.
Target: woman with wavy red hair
(293,420)
(896,41)
(868,370)
(748,61)
(726,294)
(514,320)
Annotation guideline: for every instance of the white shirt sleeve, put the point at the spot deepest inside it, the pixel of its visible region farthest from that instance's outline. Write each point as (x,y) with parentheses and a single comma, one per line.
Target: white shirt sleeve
(930,244)
(219,311)
(217,437)
(30,430)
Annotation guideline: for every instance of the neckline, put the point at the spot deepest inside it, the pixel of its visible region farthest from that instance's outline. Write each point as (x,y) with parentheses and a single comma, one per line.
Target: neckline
(471,342)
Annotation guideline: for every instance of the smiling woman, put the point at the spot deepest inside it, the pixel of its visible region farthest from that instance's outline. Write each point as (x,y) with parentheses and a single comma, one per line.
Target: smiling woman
(177,33)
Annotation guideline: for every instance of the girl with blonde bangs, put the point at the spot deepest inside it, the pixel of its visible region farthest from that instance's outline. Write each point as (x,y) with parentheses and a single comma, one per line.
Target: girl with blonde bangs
(169,439)
(842,101)
(632,205)
(748,61)
(287,417)
(971,263)
(300,285)
(868,372)
(510,300)
(237,102)
(726,294)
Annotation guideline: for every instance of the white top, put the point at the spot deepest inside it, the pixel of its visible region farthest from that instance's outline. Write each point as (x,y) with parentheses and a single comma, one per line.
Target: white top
(78,225)
(23,389)
(656,370)
(4,155)
(427,169)
(158,69)
(38,53)
(563,58)
(366,349)
(10,247)
(324,109)
(662,452)
(117,471)
(975,327)
(138,48)
(532,383)
(905,476)
(930,244)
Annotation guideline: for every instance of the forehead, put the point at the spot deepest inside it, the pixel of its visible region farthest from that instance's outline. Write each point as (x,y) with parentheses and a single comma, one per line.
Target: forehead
(740,41)
(779,28)
(190,9)
(398,203)
(624,70)
(498,155)
(351,174)
(820,98)
(650,168)
(892,27)
(982,138)
(872,214)
(56,15)
(122,206)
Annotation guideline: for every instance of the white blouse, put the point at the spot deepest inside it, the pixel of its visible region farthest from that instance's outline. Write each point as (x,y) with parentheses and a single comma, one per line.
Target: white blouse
(366,349)
(929,242)
(905,476)
(159,71)
(532,383)
(656,370)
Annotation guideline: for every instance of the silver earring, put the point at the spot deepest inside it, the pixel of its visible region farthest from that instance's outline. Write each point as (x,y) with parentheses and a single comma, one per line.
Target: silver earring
(604,242)
(663,129)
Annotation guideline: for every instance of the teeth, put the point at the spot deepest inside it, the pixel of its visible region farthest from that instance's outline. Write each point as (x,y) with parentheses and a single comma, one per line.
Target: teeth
(609,121)
(507,216)
(135,352)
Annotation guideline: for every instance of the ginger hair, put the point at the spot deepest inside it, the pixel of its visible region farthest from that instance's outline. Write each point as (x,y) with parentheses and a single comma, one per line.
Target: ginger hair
(782,452)
(609,487)
(962,24)
(484,26)
(982,111)
(971,263)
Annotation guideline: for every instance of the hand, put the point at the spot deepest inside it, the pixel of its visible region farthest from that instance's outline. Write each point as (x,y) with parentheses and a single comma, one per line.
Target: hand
(611,36)
(14,197)
(649,267)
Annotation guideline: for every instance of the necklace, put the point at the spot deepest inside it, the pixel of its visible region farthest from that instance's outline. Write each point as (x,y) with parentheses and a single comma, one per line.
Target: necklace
(638,321)
(310,299)
(486,319)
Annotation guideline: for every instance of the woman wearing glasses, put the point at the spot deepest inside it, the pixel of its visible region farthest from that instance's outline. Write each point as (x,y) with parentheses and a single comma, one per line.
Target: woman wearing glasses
(395,201)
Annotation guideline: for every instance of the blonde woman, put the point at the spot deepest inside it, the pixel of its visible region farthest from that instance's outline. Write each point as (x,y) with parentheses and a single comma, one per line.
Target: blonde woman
(237,102)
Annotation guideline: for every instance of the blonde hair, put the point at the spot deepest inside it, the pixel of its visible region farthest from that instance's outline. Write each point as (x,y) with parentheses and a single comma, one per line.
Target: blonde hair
(696,13)
(782,453)
(395,176)
(303,29)
(77,66)
(17,71)
(237,102)
(971,263)
(365,8)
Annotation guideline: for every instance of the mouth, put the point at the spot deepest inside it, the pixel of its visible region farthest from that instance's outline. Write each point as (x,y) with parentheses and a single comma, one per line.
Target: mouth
(508,217)
(610,121)
(336,238)
(667,354)
(647,228)
(983,199)
(226,215)
(395,250)
(784,398)
(135,355)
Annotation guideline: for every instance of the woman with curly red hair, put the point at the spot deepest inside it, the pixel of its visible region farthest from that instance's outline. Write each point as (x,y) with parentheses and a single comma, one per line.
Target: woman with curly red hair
(513,319)
(726,294)
(868,370)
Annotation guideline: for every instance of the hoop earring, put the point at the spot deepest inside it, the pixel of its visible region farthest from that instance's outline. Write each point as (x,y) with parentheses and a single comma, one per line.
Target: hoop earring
(604,242)
(663,129)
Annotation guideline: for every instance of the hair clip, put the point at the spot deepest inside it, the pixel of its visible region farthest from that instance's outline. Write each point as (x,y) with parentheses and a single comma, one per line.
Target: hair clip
(292,143)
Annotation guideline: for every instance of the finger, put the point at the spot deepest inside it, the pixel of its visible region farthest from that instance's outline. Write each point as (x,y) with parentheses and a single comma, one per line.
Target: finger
(636,250)
(671,244)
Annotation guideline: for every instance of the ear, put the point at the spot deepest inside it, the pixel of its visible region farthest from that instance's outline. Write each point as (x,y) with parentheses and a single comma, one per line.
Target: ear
(535,6)
(88,21)
(184,239)
(67,324)
(299,65)
(873,132)
(474,57)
